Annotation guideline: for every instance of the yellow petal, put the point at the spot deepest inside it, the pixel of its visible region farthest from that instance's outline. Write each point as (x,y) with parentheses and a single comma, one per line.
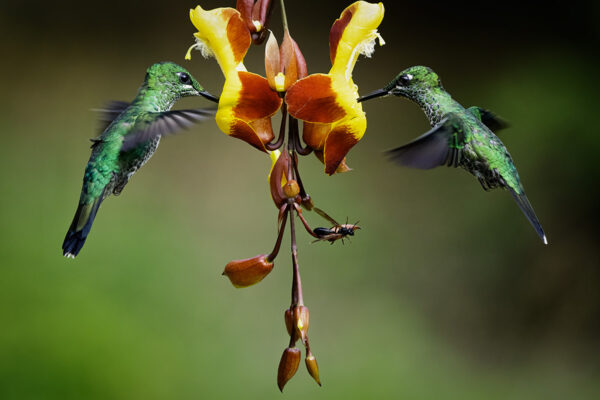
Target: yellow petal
(352,34)
(222,33)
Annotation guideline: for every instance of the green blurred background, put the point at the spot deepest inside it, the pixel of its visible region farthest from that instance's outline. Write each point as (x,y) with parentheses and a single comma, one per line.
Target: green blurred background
(446,292)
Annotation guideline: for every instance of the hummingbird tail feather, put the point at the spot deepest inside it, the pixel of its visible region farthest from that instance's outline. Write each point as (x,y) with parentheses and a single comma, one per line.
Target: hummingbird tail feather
(80,228)
(527,209)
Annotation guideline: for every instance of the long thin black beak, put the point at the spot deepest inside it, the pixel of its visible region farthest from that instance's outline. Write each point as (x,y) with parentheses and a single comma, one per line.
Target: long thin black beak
(372,95)
(208,96)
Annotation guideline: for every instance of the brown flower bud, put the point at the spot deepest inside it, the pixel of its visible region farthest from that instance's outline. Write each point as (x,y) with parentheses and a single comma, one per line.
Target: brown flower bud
(312,367)
(243,273)
(291,189)
(281,66)
(289,324)
(300,316)
(288,365)
(296,322)
(272,61)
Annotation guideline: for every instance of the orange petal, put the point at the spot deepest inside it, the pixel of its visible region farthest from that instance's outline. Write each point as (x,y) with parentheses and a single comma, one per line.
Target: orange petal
(313,99)
(256,133)
(238,37)
(339,141)
(314,135)
(342,167)
(256,99)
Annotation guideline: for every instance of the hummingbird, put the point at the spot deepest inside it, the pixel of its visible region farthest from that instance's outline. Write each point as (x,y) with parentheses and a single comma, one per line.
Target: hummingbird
(130,136)
(460,137)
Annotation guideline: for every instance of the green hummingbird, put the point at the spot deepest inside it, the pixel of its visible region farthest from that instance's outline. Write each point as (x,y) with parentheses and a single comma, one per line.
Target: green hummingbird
(459,137)
(130,135)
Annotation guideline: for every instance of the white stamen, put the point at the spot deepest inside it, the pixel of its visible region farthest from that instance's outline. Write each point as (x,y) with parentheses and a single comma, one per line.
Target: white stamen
(366,48)
(200,45)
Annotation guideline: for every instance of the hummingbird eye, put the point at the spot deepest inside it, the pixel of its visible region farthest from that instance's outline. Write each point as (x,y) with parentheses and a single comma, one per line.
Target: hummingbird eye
(184,78)
(405,79)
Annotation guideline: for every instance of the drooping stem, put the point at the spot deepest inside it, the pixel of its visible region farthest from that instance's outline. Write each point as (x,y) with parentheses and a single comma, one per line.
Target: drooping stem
(283,16)
(303,195)
(277,144)
(304,222)
(295,133)
(275,251)
(297,299)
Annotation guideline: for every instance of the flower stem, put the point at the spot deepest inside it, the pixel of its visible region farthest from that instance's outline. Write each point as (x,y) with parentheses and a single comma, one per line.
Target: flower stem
(295,133)
(275,251)
(305,223)
(303,193)
(283,16)
(297,299)
(277,144)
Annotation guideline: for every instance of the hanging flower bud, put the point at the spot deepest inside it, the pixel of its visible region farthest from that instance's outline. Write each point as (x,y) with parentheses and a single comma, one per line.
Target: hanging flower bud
(312,367)
(244,273)
(256,15)
(296,322)
(279,177)
(288,365)
(300,316)
(283,65)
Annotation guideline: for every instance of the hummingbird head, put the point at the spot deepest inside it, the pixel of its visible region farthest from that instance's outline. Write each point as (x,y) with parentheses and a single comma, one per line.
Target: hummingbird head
(168,77)
(409,83)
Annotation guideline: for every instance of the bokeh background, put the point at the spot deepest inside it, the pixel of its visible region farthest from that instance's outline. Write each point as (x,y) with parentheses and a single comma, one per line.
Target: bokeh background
(446,292)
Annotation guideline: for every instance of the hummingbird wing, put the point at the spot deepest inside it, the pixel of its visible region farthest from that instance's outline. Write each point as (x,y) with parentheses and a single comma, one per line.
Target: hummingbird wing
(109,113)
(152,124)
(489,119)
(441,145)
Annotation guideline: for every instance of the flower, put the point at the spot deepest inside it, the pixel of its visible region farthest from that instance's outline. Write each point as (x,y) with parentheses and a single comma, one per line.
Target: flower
(334,120)
(247,102)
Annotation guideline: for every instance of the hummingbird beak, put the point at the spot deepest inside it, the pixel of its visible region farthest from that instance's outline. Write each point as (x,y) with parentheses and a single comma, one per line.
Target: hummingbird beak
(208,96)
(372,95)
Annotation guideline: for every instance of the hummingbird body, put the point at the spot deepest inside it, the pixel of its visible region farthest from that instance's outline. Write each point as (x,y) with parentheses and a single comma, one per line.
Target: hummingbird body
(131,136)
(460,137)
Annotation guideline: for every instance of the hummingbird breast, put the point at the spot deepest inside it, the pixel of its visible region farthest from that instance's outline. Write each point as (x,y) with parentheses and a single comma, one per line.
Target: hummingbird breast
(131,161)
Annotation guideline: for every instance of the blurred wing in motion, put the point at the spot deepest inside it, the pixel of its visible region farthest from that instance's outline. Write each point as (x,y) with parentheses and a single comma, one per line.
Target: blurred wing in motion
(150,125)
(109,113)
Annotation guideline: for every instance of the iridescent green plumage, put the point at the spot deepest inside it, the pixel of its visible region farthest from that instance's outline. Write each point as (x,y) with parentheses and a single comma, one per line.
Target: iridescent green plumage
(459,137)
(131,135)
